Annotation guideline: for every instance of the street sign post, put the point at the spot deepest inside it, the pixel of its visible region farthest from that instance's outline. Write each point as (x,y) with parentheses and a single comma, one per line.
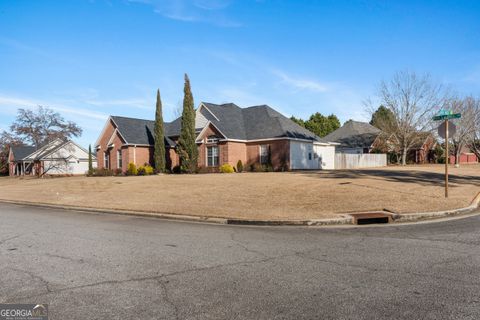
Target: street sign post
(443,129)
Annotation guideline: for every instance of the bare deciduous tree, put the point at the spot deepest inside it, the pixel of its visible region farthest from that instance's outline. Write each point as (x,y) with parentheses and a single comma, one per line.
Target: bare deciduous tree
(413,99)
(473,140)
(6,141)
(43,125)
(465,125)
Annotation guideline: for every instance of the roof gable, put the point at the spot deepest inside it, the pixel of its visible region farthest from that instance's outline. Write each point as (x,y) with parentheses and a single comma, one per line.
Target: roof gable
(354,134)
(253,123)
(233,122)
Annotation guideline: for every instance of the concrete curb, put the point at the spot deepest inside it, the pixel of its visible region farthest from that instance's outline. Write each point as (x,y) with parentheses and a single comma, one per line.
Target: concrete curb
(344,219)
(412,217)
(169,216)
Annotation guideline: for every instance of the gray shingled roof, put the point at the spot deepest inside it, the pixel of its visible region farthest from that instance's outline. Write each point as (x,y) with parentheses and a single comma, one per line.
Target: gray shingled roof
(354,134)
(257,122)
(140,131)
(21,152)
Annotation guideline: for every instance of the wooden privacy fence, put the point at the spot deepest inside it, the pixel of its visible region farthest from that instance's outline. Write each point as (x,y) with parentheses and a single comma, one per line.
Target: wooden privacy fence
(356,161)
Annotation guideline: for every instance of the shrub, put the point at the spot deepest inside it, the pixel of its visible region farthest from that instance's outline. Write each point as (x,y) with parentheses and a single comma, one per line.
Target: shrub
(176,169)
(239,166)
(148,169)
(117,172)
(257,167)
(141,171)
(132,169)
(226,168)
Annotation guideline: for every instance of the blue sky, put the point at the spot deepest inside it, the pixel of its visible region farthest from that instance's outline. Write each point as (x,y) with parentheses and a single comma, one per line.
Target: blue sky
(90,59)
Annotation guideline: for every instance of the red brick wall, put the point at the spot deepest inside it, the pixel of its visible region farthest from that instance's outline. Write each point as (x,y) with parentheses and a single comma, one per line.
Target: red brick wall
(103,142)
(279,151)
(140,155)
(235,151)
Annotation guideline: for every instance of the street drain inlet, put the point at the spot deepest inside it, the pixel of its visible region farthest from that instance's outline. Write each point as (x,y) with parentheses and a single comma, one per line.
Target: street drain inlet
(371,218)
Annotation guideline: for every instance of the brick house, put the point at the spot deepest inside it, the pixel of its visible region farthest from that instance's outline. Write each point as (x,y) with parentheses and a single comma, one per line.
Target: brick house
(226,133)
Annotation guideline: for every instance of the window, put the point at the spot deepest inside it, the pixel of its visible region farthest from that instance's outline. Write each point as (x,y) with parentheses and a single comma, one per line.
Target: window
(106,160)
(119,159)
(264,153)
(212,156)
(212,139)
(309,156)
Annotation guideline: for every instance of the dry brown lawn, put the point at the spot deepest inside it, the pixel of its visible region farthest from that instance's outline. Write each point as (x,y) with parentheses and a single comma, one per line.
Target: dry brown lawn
(290,195)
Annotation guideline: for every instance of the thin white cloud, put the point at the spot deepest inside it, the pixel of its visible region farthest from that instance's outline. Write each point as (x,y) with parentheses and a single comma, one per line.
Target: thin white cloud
(300,83)
(143,104)
(206,11)
(10,104)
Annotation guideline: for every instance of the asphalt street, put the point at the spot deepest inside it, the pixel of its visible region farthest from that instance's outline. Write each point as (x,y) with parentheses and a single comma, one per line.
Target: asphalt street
(104,266)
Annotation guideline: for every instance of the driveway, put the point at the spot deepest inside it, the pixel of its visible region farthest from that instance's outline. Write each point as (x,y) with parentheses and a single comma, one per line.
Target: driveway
(100,266)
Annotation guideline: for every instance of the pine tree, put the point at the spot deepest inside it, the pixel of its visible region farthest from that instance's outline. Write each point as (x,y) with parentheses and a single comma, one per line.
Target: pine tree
(187,148)
(159,149)
(90,161)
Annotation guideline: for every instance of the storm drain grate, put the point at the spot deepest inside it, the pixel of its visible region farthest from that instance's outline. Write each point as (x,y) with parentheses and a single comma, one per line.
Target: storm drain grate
(371,218)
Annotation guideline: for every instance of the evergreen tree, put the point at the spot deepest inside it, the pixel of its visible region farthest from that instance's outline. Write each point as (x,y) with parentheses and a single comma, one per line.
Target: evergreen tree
(298,121)
(187,148)
(319,124)
(384,119)
(159,148)
(90,161)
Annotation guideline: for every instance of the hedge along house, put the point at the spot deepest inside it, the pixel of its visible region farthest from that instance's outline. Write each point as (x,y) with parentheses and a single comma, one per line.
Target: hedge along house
(226,133)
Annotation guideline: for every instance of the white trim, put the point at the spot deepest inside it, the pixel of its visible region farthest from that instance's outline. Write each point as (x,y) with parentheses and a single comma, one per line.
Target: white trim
(202,104)
(282,138)
(205,128)
(112,136)
(116,127)
(97,143)
(218,155)
(40,150)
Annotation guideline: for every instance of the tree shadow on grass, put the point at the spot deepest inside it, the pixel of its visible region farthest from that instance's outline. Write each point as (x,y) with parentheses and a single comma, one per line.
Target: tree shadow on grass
(415,176)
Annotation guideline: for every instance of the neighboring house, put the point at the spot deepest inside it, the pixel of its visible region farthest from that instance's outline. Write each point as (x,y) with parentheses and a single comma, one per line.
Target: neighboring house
(55,158)
(355,137)
(466,157)
(422,151)
(226,133)
(17,164)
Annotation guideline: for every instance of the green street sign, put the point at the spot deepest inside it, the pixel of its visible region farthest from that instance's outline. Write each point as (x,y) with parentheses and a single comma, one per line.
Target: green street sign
(446,115)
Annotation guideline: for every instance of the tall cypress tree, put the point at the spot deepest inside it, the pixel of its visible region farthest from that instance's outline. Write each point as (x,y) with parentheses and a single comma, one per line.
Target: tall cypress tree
(187,148)
(159,151)
(90,161)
